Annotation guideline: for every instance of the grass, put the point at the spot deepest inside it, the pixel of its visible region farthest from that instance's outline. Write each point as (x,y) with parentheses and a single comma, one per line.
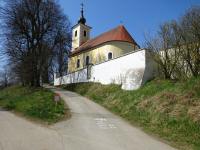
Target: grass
(36,104)
(167,109)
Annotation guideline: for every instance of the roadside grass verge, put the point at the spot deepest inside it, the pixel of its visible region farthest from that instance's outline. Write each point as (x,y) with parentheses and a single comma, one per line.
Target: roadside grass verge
(169,110)
(35,104)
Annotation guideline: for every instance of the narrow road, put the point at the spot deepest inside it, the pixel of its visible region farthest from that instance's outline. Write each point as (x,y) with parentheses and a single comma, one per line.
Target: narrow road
(19,134)
(91,128)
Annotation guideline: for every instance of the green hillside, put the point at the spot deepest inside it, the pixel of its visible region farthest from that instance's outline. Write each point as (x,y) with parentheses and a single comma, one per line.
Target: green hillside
(166,109)
(37,104)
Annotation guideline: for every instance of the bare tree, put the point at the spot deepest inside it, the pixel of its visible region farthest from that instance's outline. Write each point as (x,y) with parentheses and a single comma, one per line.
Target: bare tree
(4,78)
(190,38)
(176,49)
(7,77)
(31,29)
(162,51)
(63,47)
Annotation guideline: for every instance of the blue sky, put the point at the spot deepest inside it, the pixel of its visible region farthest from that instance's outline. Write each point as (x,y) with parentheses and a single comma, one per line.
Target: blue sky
(140,17)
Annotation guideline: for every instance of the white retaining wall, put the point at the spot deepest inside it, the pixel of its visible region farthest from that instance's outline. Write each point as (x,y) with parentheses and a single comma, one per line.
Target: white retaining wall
(131,71)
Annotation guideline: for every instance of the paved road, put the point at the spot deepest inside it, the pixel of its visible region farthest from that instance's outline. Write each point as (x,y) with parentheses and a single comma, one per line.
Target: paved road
(91,128)
(19,134)
(94,128)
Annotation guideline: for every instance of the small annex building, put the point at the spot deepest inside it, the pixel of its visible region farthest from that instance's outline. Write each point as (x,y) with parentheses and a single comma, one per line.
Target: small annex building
(112,57)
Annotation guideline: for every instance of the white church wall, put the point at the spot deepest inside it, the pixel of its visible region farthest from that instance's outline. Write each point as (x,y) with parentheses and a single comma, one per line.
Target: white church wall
(130,70)
(121,71)
(76,77)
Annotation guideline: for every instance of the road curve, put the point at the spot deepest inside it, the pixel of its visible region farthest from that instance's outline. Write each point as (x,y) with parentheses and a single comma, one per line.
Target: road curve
(92,127)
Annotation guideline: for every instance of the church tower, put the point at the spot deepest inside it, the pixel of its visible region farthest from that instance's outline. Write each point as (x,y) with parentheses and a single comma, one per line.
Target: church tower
(80,32)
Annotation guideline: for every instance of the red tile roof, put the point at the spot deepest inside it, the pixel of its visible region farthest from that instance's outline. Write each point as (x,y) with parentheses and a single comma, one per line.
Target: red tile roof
(117,34)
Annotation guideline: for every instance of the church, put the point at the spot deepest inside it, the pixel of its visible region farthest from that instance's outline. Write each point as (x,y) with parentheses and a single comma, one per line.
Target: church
(109,45)
(112,57)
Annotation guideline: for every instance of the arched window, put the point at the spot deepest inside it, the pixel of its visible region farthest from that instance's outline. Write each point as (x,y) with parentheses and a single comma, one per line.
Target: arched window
(78,63)
(76,33)
(85,33)
(87,61)
(110,55)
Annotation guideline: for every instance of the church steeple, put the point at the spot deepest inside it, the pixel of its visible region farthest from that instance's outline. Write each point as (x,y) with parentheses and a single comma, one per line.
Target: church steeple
(82,18)
(81,31)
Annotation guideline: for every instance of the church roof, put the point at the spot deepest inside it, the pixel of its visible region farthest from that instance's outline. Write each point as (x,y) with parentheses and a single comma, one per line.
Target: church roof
(117,34)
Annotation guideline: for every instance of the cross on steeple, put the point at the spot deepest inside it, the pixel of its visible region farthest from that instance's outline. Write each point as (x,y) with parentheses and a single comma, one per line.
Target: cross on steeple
(82,6)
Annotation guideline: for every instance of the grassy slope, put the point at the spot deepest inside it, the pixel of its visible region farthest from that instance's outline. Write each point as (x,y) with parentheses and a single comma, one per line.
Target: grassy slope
(167,109)
(33,103)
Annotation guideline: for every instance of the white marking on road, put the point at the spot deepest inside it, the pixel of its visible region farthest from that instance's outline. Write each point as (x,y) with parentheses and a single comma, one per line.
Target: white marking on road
(103,123)
(112,126)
